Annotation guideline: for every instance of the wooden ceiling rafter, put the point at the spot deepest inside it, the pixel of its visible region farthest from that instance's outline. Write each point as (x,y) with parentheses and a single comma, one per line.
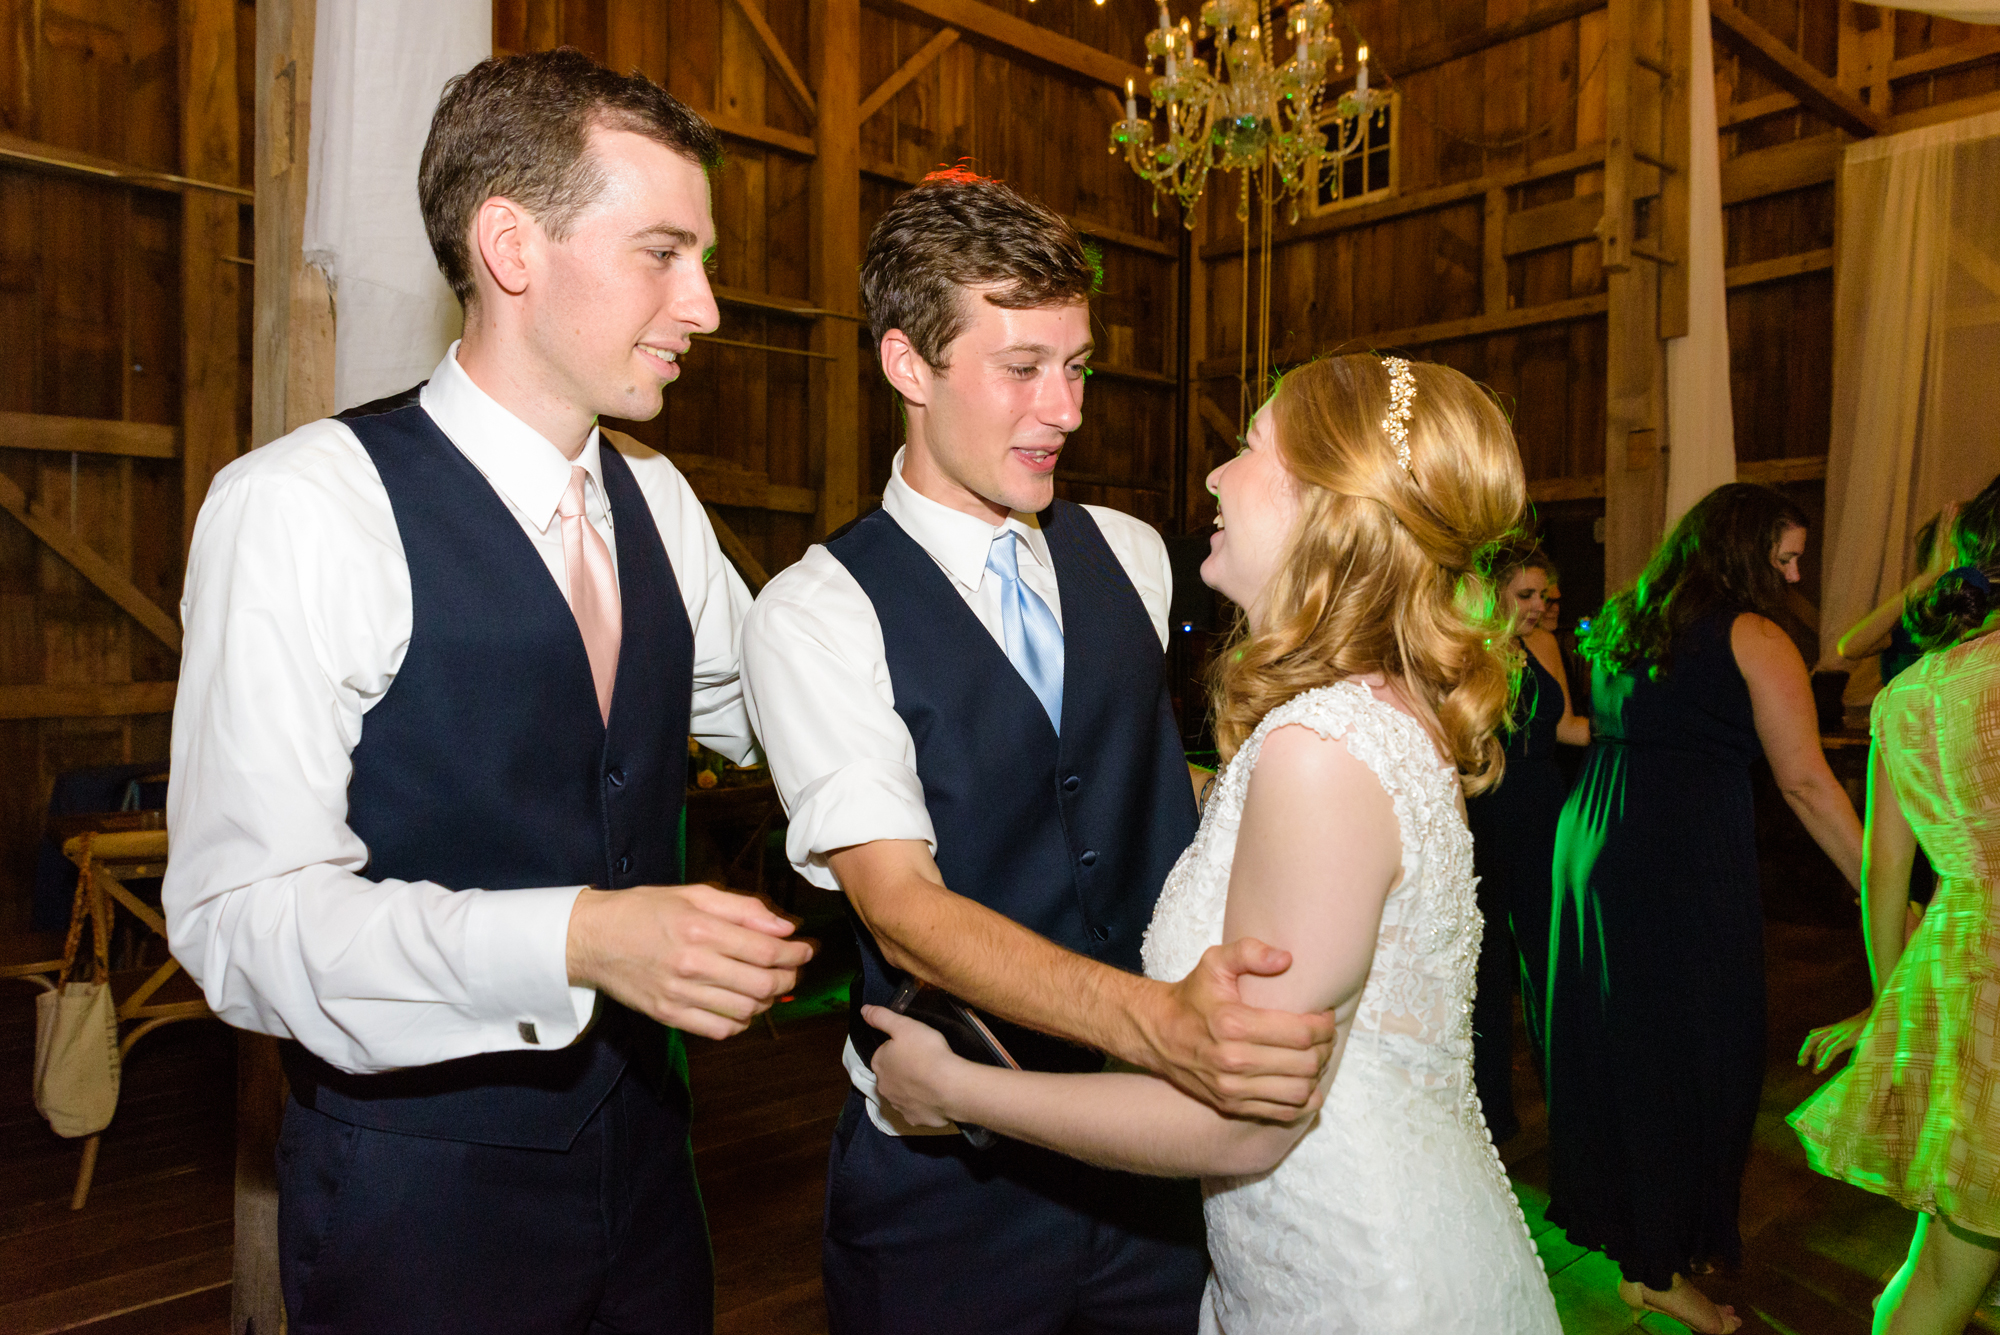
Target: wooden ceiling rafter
(909,70)
(995,27)
(1798,76)
(776,57)
(1431,55)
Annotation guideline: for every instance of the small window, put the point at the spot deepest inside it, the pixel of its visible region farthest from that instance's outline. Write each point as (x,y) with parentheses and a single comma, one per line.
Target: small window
(1369,171)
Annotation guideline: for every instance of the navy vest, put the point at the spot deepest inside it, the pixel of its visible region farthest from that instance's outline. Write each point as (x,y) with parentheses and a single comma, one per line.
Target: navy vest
(487,764)
(1072,836)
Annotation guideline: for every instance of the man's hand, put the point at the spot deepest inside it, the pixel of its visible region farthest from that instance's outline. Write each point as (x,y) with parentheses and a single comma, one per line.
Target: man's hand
(691,956)
(1242,1061)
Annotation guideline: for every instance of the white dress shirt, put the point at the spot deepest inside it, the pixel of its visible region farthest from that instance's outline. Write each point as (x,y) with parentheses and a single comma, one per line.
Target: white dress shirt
(816,681)
(297,614)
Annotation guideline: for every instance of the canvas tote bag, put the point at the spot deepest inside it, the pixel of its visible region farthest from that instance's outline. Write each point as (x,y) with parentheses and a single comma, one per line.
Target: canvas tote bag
(76,1026)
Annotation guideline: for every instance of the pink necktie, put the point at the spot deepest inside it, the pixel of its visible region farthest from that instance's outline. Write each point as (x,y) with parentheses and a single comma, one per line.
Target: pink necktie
(593,590)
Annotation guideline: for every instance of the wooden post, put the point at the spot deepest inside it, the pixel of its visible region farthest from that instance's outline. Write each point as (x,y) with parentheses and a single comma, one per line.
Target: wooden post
(292,348)
(291,384)
(210,239)
(1635,467)
(1677,149)
(836,259)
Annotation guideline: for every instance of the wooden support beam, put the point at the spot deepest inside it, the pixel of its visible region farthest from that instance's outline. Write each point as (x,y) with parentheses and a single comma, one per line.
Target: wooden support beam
(732,127)
(1423,335)
(1635,359)
(736,550)
(87,435)
(18,152)
(1787,266)
(777,305)
(1673,211)
(1773,472)
(910,69)
(86,700)
(835,391)
(774,53)
(109,579)
(1772,171)
(1756,109)
(1798,76)
(1420,201)
(741,489)
(1018,37)
(1218,421)
(211,357)
(1944,111)
(1445,50)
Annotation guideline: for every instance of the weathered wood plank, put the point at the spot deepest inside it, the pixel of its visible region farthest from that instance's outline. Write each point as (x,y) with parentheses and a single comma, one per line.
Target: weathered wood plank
(1563,223)
(733,127)
(1771,171)
(86,699)
(1787,266)
(1417,336)
(19,152)
(87,435)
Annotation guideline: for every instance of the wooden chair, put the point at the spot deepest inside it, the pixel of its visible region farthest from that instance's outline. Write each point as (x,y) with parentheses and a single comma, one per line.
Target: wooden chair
(105,861)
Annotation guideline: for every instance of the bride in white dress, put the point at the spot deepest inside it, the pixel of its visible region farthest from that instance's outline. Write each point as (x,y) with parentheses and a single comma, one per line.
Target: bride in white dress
(1355,705)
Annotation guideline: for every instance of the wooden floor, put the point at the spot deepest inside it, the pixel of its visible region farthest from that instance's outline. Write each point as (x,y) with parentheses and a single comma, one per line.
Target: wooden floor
(150,1254)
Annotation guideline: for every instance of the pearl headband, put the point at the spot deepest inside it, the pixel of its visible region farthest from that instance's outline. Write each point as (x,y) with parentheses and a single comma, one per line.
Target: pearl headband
(1402,392)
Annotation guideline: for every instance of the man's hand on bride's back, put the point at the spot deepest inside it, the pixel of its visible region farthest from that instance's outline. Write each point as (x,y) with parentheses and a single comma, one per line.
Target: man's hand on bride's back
(1240,1060)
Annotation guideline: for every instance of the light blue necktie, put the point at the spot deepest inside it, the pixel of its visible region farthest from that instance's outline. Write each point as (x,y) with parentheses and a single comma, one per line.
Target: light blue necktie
(1034,640)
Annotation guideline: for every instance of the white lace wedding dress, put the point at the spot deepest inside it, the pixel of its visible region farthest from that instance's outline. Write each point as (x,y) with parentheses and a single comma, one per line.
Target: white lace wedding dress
(1393,1212)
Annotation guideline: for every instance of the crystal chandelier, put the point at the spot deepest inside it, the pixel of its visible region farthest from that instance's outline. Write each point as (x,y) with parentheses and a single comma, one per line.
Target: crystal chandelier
(1241,107)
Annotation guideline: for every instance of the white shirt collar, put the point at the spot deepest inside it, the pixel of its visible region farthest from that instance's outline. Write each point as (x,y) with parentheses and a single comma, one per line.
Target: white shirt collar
(519,461)
(957,541)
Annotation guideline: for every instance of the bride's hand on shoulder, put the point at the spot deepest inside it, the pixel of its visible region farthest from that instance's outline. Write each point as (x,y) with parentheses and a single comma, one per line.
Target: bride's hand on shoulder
(914,1068)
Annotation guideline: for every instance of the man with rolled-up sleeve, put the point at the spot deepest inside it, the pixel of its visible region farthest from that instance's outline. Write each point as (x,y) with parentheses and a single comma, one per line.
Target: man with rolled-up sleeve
(443,657)
(963,699)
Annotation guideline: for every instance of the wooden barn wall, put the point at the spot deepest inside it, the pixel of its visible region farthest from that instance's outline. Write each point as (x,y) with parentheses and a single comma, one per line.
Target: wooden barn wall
(739,417)
(122,301)
(1419,271)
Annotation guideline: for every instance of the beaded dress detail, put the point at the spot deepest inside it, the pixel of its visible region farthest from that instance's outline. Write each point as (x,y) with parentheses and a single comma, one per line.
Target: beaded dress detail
(1393,1213)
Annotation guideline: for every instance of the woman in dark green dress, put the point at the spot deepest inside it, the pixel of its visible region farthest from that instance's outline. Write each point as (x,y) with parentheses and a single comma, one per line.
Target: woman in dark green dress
(1655,1025)
(1513,844)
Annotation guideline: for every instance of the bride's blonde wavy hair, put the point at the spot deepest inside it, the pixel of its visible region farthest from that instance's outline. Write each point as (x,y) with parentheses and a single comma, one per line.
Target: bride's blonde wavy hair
(1386,570)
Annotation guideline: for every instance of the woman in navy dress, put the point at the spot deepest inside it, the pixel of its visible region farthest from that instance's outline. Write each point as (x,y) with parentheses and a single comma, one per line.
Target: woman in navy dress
(1656,987)
(1513,846)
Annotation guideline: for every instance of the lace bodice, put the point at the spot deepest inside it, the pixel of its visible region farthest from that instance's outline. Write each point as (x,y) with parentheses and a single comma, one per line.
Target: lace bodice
(1393,1213)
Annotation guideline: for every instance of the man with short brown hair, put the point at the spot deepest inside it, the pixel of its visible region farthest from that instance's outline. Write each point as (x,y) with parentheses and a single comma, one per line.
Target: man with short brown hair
(964,702)
(443,657)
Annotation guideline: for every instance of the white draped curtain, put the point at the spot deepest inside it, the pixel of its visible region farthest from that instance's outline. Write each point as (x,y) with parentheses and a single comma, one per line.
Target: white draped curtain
(378,67)
(1701,425)
(1916,353)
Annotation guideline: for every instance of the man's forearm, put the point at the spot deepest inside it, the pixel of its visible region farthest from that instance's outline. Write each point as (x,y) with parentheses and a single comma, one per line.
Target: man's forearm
(999,966)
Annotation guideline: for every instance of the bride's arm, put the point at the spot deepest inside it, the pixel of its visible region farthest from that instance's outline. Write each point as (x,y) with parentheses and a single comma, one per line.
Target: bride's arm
(1316,856)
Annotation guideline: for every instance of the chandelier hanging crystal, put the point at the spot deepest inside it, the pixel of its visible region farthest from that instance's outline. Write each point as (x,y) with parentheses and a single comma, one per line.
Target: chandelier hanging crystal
(1240,107)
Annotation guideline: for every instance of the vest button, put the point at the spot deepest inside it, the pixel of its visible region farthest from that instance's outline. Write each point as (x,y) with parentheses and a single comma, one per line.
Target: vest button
(1072,783)
(1100,934)
(615,777)
(624,865)
(1089,858)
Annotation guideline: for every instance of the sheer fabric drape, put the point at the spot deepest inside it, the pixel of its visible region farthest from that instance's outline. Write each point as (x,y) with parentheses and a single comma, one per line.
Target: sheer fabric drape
(1916,397)
(378,67)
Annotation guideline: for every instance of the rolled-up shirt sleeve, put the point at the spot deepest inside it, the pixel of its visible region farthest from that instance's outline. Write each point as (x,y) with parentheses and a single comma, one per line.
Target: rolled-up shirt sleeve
(297,615)
(816,685)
